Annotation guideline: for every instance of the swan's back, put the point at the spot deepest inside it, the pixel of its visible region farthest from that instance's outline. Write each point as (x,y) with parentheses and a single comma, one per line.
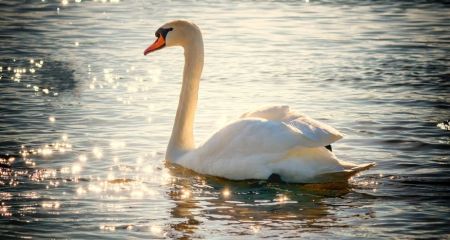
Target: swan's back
(322,134)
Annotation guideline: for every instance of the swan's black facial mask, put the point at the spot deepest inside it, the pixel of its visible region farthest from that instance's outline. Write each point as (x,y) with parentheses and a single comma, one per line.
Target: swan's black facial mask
(160,42)
(163,32)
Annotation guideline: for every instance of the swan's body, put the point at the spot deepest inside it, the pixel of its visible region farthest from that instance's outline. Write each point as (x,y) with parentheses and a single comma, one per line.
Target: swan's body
(270,140)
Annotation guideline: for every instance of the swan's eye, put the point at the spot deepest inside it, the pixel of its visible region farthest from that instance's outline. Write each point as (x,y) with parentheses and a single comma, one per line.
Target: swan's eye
(162,32)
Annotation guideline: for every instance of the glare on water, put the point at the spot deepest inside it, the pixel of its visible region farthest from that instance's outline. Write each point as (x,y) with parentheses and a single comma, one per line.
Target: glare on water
(85,118)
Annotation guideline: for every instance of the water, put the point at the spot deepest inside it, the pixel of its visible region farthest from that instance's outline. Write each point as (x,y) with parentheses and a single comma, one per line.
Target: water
(85,118)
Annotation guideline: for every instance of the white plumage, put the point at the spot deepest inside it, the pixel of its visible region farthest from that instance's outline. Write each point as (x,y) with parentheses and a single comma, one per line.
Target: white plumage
(269,140)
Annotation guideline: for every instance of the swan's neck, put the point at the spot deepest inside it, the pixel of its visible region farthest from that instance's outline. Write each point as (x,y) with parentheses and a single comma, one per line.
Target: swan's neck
(182,139)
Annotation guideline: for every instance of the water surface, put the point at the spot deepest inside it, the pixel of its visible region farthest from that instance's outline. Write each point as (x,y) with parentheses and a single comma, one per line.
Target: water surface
(85,117)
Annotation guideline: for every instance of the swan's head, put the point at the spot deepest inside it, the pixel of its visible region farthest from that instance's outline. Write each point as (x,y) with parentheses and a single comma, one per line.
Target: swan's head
(175,33)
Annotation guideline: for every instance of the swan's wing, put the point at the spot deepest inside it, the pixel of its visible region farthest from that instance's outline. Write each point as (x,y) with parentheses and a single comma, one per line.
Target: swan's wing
(255,148)
(321,133)
(257,134)
(245,149)
(316,131)
(278,113)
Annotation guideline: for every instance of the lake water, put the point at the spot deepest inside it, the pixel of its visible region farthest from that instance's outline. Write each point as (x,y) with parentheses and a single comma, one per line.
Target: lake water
(85,118)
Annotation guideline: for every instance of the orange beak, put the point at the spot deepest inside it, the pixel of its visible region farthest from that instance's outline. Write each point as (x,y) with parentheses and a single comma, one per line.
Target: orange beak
(158,44)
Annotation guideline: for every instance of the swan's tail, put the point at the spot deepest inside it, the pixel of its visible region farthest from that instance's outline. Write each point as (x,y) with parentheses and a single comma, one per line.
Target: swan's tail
(343,176)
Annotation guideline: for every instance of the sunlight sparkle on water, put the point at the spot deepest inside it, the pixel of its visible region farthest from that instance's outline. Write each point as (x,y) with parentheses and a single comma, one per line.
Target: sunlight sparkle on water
(5,211)
(50,173)
(226,192)
(53,205)
(82,158)
(46,151)
(255,229)
(107,228)
(185,194)
(156,230)
(64,137)
(148,169)
(117,144)
(282,198)
(98,153)
(137,194)
(80,191)
(139,161)
(94,188)
(76,168)
(111,176)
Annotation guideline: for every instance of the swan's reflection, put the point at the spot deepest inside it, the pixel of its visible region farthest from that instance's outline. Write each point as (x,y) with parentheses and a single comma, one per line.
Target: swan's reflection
(254,205)
(185,204)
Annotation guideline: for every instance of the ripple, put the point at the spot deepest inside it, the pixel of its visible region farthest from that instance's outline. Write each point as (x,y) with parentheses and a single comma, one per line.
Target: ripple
(85,118)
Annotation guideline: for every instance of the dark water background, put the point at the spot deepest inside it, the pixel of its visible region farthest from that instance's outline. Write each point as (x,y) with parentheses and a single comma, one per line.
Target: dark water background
(85,117)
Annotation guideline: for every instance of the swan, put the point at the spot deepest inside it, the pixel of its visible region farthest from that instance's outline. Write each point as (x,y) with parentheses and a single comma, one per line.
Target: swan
(267,142)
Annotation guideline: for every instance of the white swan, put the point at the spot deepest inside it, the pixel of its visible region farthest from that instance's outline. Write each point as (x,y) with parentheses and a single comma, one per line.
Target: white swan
(263,143)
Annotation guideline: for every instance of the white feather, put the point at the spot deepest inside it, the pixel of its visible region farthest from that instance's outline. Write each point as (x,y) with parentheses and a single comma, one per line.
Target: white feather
(321,133)
(255,148)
